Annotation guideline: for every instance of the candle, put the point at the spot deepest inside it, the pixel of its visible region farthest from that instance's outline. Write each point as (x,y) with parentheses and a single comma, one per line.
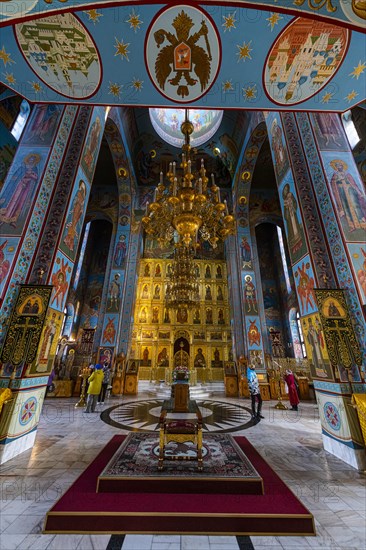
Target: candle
(161,177)
(213,179)
(226,208)
(147,209)
(189,167)
(175,187)
(174,163)
(200,186)
(155,194)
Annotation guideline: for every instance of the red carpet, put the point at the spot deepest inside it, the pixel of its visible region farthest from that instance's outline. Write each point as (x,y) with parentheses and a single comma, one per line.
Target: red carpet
(82,510)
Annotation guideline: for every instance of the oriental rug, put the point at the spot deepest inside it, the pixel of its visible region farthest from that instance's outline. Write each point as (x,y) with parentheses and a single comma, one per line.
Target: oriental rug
(134,467)
(82,510)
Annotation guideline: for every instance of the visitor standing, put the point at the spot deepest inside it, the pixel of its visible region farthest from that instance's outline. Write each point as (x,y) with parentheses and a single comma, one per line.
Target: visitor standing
(105,383)
(95,385)
(292,391)
(255,393)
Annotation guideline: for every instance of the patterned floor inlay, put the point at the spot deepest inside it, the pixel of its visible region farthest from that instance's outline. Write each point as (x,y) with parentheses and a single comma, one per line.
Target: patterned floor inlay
(144,416)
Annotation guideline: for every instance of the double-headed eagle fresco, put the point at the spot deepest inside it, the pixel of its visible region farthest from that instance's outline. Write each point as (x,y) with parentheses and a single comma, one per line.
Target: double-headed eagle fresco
(183,56)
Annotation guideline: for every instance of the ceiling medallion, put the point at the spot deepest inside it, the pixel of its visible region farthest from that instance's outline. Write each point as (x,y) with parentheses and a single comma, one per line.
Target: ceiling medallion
(182,53)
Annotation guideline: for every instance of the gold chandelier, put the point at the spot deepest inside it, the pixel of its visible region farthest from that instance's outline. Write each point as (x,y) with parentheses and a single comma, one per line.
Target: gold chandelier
(187,206)
(182,289)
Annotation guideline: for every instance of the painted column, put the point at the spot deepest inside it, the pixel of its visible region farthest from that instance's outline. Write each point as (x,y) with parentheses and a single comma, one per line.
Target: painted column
(61,187)
(251,314)
(116,284)
(25,199)
(342,204)
(301,184)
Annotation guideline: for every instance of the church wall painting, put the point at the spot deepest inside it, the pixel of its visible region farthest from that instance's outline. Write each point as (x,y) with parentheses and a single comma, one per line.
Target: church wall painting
(40,129)
(105,355)
(60,279)
(270,299)
(103,198)
(8,147)
(277,141)
(303,59)
(347,193)
(8,248)
(357,253)
(90,313)
(180,84)
(48,343)
(91,149)
(25,326)
(44,42)
(114,297)
(329,132)
(253,332)
(245,249)
(19,190)
(360,159)
(75,217)
(293,220)
(249,294)
(304,283)
(110,326)
(316,348)
(343,350)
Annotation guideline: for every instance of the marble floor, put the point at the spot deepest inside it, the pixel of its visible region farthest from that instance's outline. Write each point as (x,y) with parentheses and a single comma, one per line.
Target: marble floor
(68,440)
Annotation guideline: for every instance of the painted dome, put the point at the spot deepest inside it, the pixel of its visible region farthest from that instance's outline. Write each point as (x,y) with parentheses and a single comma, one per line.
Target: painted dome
(167,122)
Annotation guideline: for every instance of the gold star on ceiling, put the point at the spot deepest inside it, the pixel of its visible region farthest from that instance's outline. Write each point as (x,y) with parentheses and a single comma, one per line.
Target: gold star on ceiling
(93,15)
(5,57)
(250,92)
(358,70)
(229,22)
(134,21)
(122,49)
(327,97)
(115,89)
(137,84)
(227,86)
(36,87)
(351,96)
(9,77)
(273,20)
(244,51)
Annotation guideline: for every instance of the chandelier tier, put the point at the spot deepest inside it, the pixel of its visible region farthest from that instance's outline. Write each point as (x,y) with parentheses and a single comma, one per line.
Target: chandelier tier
(182,289)
(189,205)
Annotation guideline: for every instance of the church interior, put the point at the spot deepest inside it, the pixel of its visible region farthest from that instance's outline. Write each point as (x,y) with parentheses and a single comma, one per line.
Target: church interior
(183,208)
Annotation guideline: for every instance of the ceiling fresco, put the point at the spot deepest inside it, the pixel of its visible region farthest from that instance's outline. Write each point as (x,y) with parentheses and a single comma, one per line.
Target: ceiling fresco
(348,11)
(202,55)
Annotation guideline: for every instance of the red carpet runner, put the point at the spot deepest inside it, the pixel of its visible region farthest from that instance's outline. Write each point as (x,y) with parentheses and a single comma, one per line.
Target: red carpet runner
(82,510)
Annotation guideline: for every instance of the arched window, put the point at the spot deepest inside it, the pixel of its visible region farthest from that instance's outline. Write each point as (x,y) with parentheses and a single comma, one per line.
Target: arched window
(350,129)
(21,119)
(301,335)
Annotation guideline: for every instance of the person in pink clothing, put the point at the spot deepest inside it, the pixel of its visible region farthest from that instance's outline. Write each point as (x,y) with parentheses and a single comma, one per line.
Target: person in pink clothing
(292,391)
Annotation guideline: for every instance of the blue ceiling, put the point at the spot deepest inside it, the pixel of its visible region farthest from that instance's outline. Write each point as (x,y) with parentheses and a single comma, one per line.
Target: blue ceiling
(283,56)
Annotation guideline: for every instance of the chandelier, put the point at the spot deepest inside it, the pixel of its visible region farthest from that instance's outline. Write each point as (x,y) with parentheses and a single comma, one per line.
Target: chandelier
(188,205)
(182,290)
